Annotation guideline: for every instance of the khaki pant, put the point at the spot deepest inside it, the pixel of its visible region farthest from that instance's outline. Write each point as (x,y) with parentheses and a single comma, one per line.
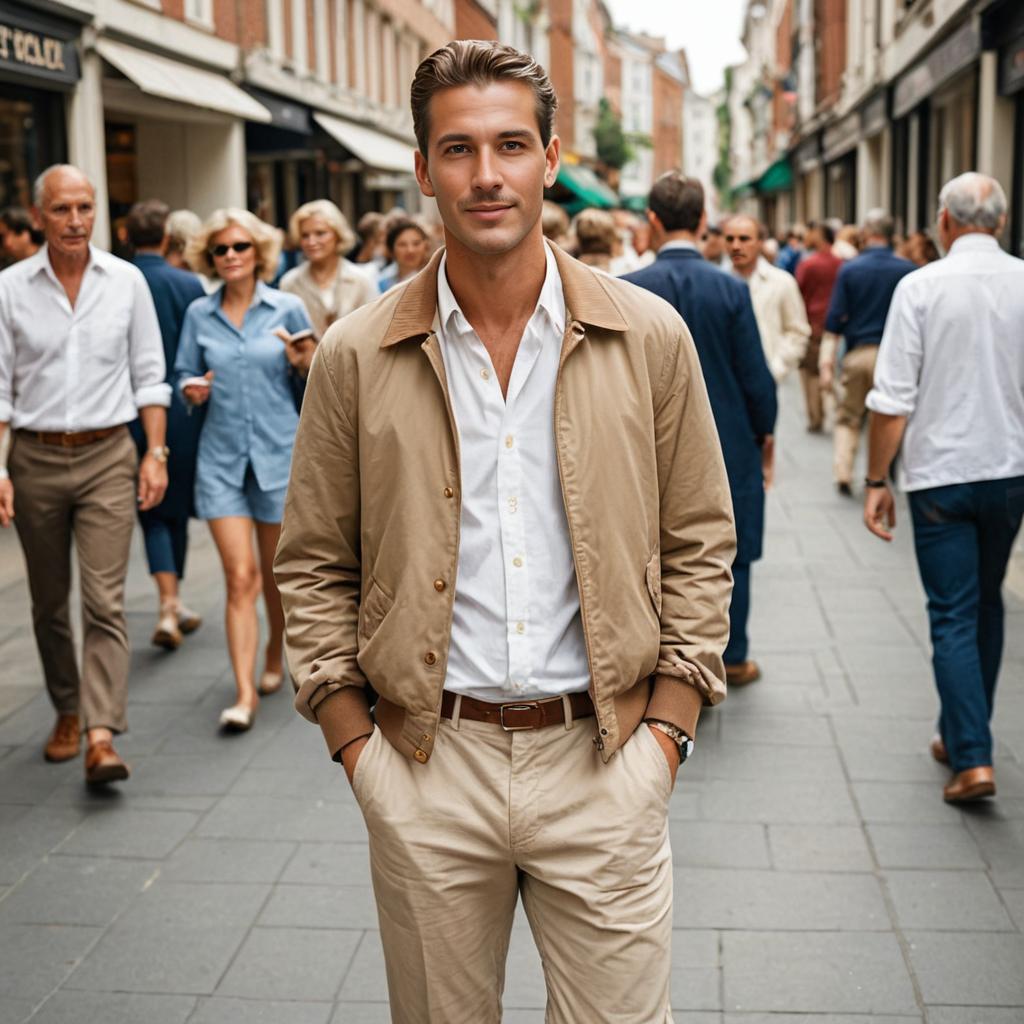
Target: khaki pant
(494,815)
(86,494)
(858,375)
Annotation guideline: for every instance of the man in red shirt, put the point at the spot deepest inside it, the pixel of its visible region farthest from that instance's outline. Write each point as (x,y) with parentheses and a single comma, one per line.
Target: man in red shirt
(815,276)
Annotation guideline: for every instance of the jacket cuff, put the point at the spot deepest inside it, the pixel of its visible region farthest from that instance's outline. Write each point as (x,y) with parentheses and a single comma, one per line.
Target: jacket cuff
(675,701)
(344,716)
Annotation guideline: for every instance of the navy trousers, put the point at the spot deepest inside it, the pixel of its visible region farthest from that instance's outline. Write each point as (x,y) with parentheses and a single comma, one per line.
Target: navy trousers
(739,612)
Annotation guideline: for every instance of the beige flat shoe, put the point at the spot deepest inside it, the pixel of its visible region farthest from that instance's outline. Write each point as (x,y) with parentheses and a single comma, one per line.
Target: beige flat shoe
(237,718)
(188,620)
(270,682)
(167,634)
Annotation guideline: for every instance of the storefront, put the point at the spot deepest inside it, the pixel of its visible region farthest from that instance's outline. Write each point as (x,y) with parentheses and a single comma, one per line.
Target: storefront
(39,66)
(873,155)
(1011,86)
(839,146)
(809,191)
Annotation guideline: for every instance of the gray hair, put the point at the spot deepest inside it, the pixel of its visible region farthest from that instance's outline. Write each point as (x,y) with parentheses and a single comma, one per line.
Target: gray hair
(974,200)
(39,185)
(880,223)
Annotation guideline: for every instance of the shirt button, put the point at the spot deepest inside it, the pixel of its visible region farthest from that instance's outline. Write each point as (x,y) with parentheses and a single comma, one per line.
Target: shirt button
(485,374)
(517,562)
(520,627)
(439,585)
(448,492)
(421,756)
(509,441)
(430,658)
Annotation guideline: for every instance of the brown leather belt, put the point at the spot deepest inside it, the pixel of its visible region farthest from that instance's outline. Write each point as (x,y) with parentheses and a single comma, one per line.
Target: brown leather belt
(67,439)
(520,714)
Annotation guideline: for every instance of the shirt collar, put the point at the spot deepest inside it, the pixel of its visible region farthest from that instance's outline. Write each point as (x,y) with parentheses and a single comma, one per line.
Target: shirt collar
(264,295)
(975,241)
(40,261)
(679,244)
(551,299)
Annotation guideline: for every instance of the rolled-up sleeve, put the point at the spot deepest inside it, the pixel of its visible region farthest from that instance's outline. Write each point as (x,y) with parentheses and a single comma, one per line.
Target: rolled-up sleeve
(145,350)
(898,370)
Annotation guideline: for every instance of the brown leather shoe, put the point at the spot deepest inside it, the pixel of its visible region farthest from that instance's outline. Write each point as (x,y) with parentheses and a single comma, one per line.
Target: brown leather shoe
(65,741)
(743,673)
(938,750)
(970,784)
(102,764)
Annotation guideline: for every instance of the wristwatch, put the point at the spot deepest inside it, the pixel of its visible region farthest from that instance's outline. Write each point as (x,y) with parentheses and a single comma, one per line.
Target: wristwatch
(161,453)
(868,482)
(675,734)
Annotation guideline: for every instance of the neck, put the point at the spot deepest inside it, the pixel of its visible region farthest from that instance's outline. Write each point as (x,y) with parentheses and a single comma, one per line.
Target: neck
(876,240)
(747,271)
(240,291)
(501,287)
(679,236)
(961,232)
(325,268)
(67,264)
(148,250)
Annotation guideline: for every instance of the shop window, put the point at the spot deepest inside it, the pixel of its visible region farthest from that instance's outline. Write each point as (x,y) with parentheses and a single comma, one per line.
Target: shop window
(122,181)
(952,143)
(1017,199)
(31,138)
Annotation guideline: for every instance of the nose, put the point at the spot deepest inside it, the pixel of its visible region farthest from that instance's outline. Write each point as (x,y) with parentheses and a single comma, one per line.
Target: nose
(487,173)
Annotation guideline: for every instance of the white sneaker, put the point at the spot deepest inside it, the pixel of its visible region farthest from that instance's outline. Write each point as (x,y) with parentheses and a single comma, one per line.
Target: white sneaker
(237,718)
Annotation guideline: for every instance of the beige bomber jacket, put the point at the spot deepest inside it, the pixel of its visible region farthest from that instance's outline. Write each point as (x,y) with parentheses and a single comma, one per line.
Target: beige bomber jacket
(369,544)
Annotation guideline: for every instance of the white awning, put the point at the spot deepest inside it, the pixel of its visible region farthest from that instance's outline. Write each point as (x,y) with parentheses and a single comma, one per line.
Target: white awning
(374,148)
(182,83)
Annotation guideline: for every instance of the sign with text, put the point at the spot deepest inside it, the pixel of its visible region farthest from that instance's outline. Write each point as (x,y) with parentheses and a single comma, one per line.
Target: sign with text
(35,45)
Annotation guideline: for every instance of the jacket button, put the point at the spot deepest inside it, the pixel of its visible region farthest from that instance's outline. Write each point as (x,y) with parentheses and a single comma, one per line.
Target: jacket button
(439,585)
(421,756)
(448,492)
(430,658)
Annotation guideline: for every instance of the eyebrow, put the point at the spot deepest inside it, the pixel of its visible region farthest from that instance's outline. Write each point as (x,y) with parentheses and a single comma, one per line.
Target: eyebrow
(512,133)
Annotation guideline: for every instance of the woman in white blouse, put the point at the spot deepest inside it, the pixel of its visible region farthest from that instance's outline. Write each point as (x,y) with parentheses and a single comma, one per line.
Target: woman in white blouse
(328,284)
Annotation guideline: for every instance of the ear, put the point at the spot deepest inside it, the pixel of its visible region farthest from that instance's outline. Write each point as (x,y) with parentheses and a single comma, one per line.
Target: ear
(653,220)
(423,175)
(551,161)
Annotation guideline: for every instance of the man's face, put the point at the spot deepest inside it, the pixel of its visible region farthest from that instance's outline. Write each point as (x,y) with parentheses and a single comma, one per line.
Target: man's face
(67,213)
(17,245)
(486,165)
(742,242)
(714,246)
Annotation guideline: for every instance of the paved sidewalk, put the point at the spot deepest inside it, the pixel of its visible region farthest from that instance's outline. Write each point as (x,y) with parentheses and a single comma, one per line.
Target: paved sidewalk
(819,876)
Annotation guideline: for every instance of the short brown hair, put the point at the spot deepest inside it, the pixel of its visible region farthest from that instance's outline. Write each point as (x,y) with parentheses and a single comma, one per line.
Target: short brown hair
(479,62)
(677,201)
(595,232)
(147,223)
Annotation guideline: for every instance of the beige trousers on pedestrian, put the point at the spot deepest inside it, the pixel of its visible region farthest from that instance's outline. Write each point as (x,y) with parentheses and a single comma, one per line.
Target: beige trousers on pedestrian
(858,376)
(87,495)
(494,815)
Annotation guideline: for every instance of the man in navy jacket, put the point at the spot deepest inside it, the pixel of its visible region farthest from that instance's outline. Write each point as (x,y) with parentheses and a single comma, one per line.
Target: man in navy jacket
(719,314)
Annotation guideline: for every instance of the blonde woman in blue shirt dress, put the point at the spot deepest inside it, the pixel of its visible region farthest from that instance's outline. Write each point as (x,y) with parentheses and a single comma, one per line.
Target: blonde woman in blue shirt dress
(239,354)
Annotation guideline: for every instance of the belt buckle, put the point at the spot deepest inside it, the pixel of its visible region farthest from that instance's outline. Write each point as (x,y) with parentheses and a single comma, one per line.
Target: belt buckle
(529,705)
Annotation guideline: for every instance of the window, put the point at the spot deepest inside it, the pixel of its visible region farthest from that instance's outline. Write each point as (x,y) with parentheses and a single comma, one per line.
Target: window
(199,12)
(300,38)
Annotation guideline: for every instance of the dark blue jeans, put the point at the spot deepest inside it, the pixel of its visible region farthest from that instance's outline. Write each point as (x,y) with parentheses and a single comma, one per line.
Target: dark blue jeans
(739,612)
(166,541)
(963,535)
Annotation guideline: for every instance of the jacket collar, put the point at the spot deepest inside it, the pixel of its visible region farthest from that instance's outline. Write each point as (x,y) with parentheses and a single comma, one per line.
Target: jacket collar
(587,299)
(679,253)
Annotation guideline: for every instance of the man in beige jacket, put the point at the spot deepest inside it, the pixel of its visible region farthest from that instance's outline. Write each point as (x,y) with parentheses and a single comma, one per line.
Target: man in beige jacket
(509,525)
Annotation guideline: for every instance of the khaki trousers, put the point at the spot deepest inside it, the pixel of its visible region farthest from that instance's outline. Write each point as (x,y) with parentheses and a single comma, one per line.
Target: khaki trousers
(494,815)
(857,379)
(85,494)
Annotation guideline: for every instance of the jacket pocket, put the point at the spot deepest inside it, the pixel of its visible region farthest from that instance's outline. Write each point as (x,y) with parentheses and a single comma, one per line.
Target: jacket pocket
(373,609)
(654,581)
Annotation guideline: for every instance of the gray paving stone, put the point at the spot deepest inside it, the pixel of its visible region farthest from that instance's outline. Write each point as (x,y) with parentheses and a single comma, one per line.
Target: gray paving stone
(1002,845)
(114,1008)
(366,979)
(227,860)
(925,846)
(76,891)
(972,1015)
(329,863)
(816,972)
(774,801)
(188,904)
(14,1011)
(379,1013)
(36,958)
(27,834)
(290,963)
(1014,901)
(946,901)
(124,832)
(773,900)
(252,1011)
(784,731)
(979,969)
(279,818)
(819,1018)
(181,774)
(718,844)
(524,976)
(778,762)
(320,906)
(904,803)
(818,848)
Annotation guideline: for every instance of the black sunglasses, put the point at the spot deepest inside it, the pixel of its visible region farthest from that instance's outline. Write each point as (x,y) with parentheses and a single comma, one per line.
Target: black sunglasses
(223,250)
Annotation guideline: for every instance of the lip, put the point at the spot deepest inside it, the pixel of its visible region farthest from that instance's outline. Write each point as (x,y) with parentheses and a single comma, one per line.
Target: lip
(488,212)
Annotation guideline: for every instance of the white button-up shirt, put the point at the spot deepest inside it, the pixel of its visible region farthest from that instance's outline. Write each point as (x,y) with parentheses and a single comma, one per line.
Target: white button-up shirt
(82,368)
(516,631)
(781,316)
(952,361)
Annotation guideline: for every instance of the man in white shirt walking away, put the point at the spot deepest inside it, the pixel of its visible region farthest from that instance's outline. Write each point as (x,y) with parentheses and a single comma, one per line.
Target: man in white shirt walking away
(949,384)
(80,355)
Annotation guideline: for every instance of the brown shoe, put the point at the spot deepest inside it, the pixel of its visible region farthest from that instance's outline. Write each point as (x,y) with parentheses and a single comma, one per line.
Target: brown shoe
(65,741)
(102,764)
(743,673)
(970,784)
(938,750)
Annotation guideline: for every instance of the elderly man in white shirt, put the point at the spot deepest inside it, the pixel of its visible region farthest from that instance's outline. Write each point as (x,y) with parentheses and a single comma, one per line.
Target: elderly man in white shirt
(949,385)
(80,357)
(778,304)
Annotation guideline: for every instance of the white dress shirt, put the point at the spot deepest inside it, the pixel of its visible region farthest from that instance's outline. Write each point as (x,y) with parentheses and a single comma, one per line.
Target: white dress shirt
(516,631)
(952,361)
(781,316)
(86,368)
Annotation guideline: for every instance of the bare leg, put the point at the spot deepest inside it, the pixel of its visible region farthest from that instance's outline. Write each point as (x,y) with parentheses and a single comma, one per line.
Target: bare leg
(267,535)
(233,537)
(167,588)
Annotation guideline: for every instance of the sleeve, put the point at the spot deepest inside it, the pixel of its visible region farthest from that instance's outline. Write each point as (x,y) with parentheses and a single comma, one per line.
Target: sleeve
(296,318)
(6,364)
(698,543)
(751,368)
(146,349)
(900,355)
(189,361)
(796,331)
(838,313)
(318,567)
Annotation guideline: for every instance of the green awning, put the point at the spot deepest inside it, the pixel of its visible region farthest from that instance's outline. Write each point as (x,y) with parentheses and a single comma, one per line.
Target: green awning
(742,191)
(778,178)
(638,204)
(587,187)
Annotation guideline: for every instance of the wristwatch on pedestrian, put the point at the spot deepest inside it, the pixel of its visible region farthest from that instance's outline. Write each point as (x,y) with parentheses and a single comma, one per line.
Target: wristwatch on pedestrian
(868,482)
(675,734)
(161,453)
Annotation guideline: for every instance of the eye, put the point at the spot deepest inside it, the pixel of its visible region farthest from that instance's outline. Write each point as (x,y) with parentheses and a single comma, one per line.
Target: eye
(513,144)
(457,148)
